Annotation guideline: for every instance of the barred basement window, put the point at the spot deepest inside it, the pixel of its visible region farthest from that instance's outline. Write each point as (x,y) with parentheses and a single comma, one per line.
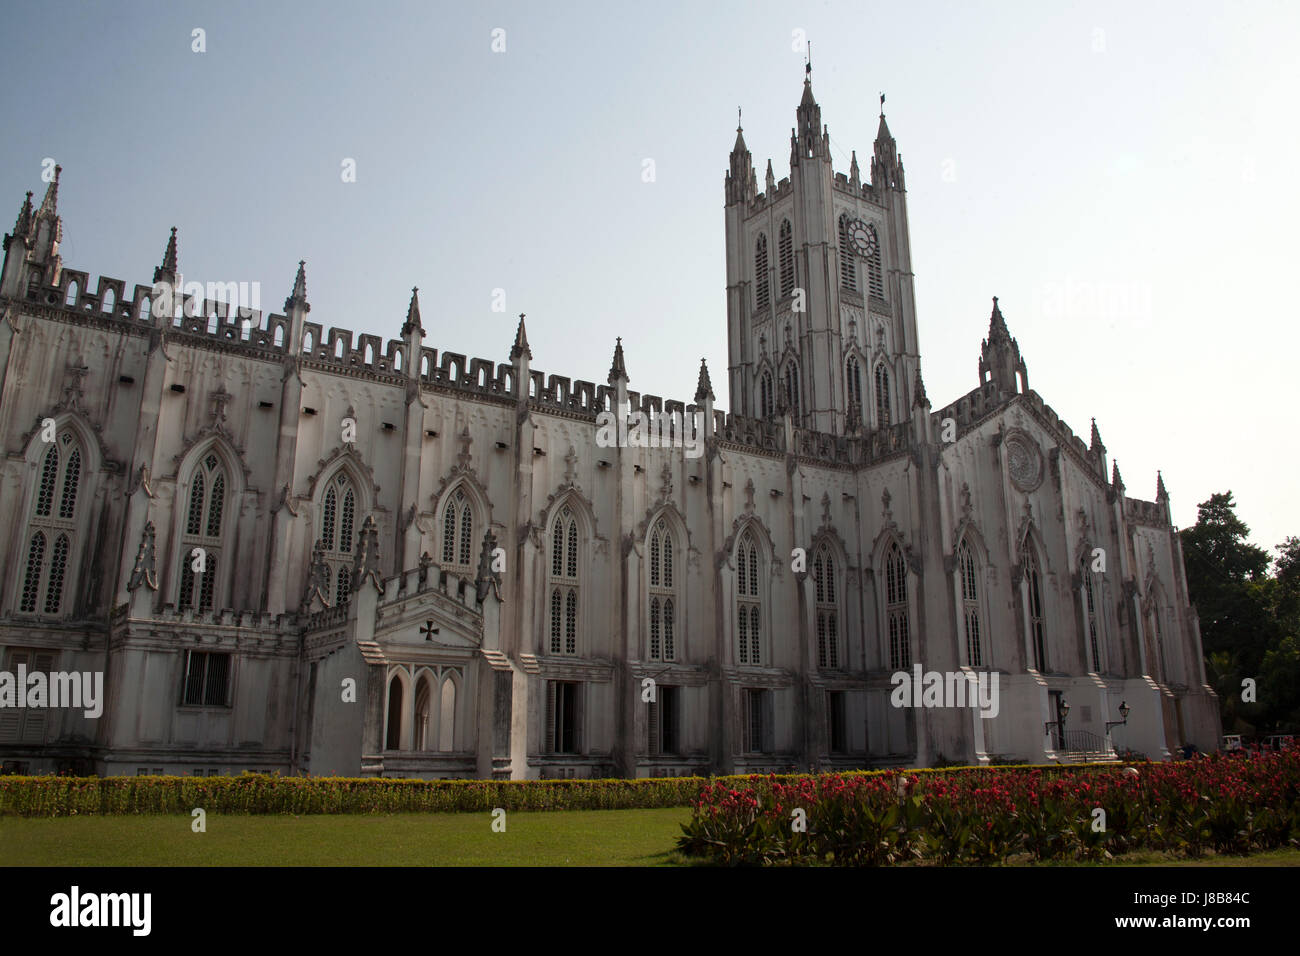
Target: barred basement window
(757,720)
(662,593)
(896,610)
(848,261)
(970,603)
(564,583)
(748,632)
(762,286)
(1091,611)
(1033,576)
(563,717)
(837,719)
(207,679)
(785,253)
(827,608)
(662,721)
(882,396)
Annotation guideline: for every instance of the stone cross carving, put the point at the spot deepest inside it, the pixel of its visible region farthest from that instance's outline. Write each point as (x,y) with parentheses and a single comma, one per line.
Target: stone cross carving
(428,630)
(318,577)
(145,570)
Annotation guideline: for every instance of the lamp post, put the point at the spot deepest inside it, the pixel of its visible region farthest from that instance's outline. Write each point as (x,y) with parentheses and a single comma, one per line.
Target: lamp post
(1123,714)
(1062,710)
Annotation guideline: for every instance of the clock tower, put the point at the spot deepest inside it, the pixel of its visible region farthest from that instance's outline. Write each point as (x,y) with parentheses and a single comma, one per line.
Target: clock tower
(821,318)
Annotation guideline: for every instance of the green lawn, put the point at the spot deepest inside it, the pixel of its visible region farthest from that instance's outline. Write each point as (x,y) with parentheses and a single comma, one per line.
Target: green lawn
(557,838)
(561,838)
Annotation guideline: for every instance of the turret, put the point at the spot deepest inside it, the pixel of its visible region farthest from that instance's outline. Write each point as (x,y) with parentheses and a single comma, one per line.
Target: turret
(741,183)
(1000,356)
(886,163)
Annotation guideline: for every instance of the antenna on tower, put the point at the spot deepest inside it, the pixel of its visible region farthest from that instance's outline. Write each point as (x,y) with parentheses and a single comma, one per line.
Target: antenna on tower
(882,104)
(807,67)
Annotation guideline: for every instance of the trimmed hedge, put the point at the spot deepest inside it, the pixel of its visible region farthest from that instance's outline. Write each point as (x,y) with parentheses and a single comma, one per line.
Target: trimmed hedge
(51,796)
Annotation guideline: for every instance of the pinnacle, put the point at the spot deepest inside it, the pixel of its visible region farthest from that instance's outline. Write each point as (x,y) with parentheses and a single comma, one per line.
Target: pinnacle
(997,324)
(1115,479)
(919,399)
(413,315)
(705,388)
(169,259)
(1095,442)
(298,297)
(521,341)
(50,204)
(1161,493)
(617,369)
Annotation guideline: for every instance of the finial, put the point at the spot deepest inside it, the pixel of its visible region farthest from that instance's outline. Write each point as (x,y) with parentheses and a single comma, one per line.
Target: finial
(807,68)
(521,342)
(882,103)
(738,124)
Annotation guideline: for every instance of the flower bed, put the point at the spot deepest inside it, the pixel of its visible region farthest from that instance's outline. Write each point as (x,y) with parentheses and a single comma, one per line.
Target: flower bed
(988,816)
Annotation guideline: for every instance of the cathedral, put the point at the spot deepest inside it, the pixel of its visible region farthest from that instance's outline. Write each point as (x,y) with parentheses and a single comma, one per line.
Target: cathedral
(302,550)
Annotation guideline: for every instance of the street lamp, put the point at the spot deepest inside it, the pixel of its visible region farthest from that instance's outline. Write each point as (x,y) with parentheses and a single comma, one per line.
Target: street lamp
(1062,711)
(1123,713)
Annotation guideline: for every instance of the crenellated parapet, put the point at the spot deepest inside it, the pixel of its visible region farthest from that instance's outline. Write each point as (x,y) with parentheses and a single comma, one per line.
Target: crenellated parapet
(1148,513)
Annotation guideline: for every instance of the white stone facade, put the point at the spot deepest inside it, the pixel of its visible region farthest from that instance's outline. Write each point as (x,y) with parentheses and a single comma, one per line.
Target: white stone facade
(352,614)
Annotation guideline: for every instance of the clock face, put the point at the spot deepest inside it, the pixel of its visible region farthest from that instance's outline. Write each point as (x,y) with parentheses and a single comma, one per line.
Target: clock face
(863,236)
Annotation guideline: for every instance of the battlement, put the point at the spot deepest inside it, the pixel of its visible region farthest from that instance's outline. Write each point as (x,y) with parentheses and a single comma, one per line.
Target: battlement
(1150,513)
(264,624)
(459,589)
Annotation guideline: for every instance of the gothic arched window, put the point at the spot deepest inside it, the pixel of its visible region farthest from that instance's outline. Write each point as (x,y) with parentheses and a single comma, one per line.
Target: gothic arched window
(967,569)
(338,522)
(664,605)
(882,395)
(875,274)
(457,531)
(52,531)
(1034,584)
(897,617)
(765,403)
(853,382)
(563,600)
(848,261)
(828,613)
(749,644)
(791,385)
(786,254)
(1090,612)
(762,281)
(201,534)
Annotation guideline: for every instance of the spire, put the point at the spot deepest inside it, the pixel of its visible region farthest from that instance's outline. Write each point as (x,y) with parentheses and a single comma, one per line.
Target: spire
(167,269)
(412,323)
(1095,443)
(705,388)
(1115,479)
(741,185)
(771,179)
(617,369)
(25,217)
(298,297)
(919,399)
(521,342)
(855,175)
(1161,493)
(810,133)
(1000,356)
(50,204)
(886,163)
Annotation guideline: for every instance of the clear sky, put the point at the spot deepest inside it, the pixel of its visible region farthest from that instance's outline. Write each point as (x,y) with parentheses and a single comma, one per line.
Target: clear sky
(1119,174)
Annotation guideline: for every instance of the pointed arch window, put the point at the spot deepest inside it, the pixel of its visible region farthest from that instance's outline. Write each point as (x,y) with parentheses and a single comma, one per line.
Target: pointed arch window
(897,617)
(1034,585)
(827,608)
(337,533)
(786,254)
(201,536)
(1090,611)
(663,604)
(875,274)
(762,281)
(853,382)
(848,261)
(765,403)
(457,531)
(790,384)
(749,645)
(882,395)
(564,583)
(53,531)
(968,570)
